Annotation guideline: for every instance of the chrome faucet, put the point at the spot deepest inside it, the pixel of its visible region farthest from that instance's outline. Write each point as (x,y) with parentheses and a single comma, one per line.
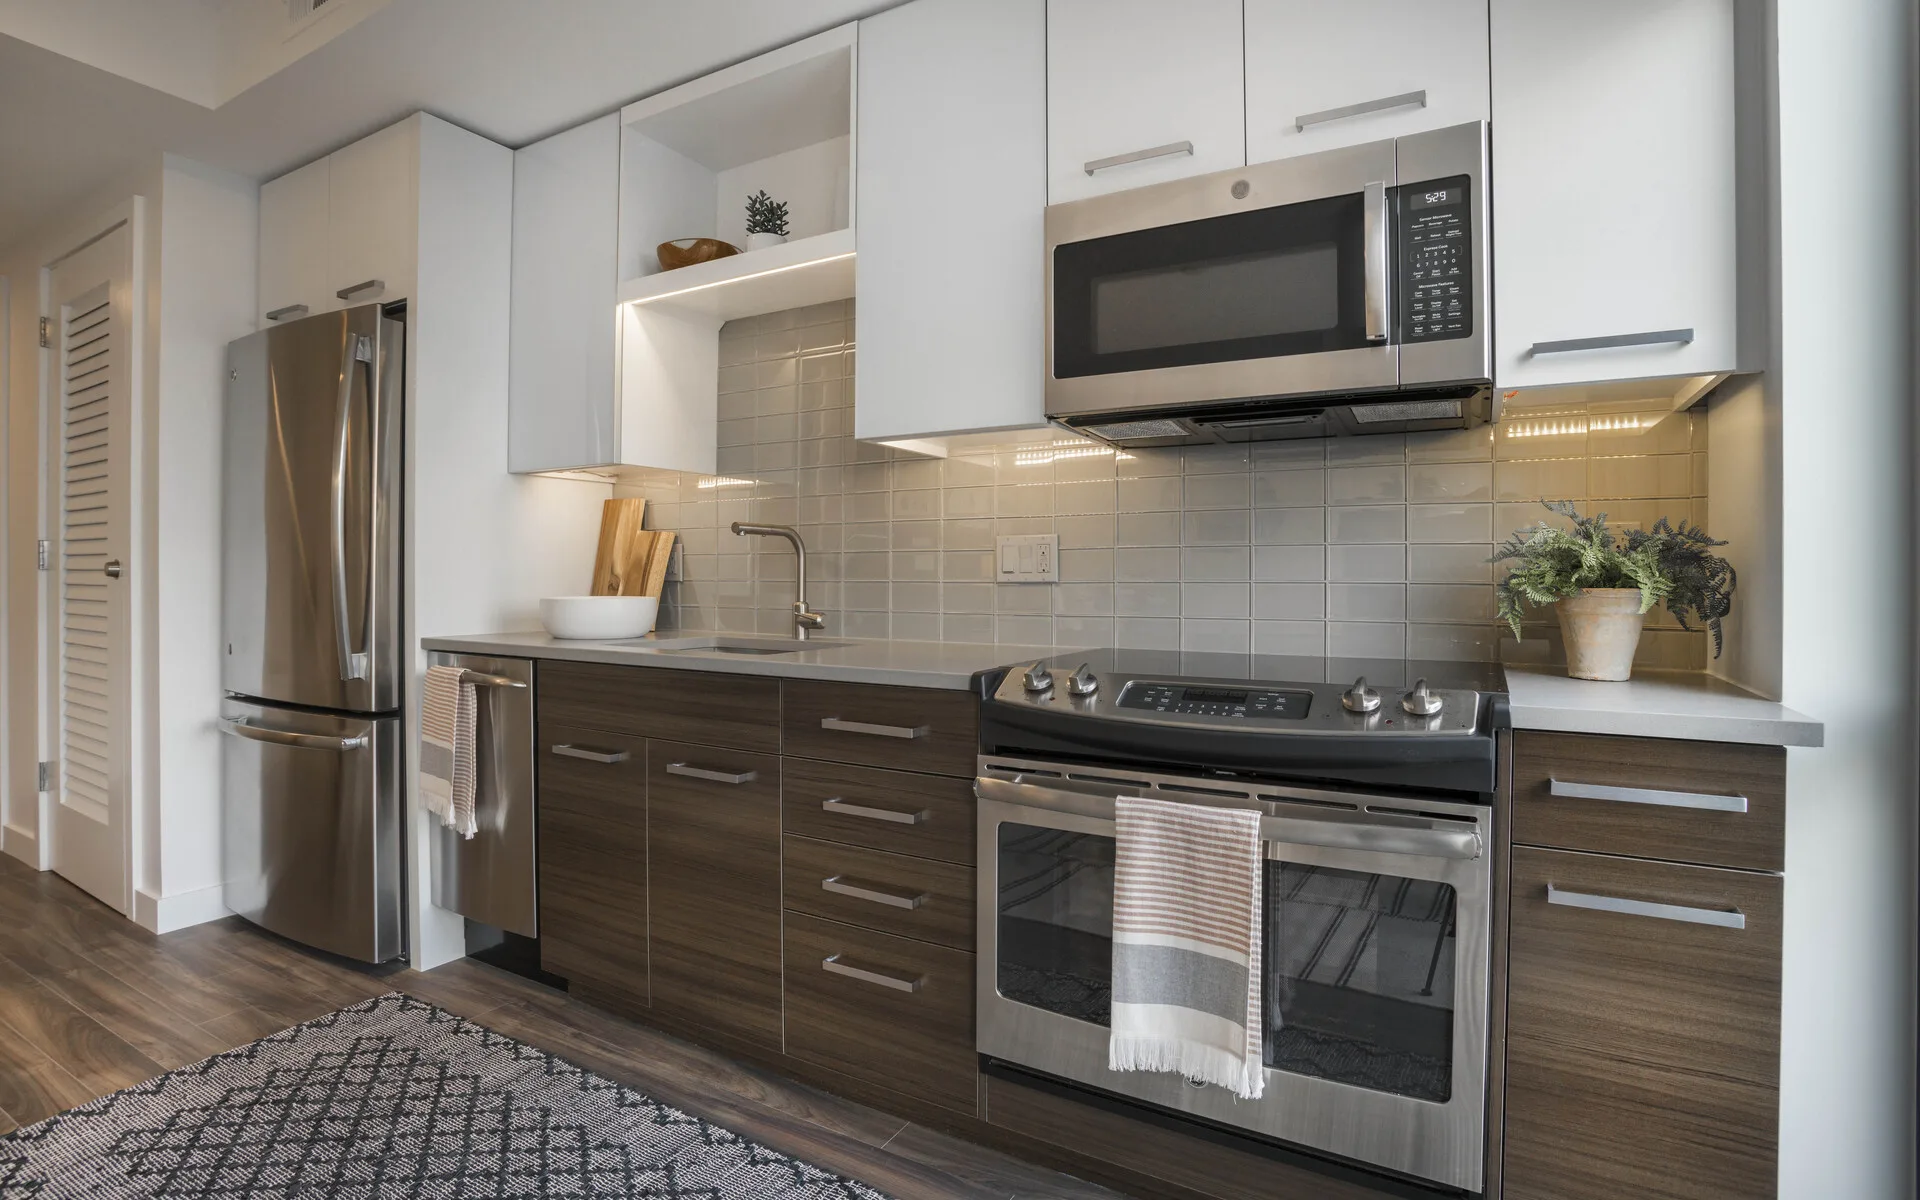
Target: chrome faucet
(804,619)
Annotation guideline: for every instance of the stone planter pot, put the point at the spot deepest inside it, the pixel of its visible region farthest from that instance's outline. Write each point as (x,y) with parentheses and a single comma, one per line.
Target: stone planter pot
(764,241)
(1601,627)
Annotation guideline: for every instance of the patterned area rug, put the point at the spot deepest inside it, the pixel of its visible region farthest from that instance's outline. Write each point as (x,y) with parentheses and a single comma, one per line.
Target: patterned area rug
(395,1098)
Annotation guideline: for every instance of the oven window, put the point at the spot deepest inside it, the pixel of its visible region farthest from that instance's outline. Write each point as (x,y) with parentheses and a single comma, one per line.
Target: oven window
(1359,979)
(1056,921)
(1261,284)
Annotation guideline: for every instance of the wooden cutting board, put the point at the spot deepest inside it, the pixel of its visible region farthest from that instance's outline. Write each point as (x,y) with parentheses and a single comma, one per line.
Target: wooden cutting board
(620,561)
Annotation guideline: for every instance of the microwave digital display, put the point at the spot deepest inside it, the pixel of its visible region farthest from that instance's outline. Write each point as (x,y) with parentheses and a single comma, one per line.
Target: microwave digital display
(1434,197)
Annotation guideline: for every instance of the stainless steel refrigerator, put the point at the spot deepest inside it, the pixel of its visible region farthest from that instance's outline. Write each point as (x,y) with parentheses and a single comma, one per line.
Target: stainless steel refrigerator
(314,664)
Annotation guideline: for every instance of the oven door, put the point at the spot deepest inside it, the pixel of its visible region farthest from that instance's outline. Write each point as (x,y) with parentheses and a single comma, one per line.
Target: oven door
(1263,281)
(1375,956)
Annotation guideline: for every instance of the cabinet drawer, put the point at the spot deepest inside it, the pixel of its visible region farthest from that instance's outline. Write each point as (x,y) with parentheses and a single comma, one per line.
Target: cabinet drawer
(1640,1016)
(713,844)
(1703,802)
(911,897)
(891,1011)
(656,702)
(922,815)
(911,729)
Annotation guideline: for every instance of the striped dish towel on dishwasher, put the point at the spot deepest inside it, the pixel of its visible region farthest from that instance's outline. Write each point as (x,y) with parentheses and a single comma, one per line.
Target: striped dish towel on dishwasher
(1186,943)
(447,735)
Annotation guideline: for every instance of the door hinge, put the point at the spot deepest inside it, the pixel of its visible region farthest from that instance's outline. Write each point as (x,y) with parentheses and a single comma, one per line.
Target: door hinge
(46,332)
(46,776)
(44,558)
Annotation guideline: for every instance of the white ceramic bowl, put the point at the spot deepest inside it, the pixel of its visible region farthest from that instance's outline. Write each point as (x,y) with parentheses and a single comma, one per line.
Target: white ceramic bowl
(601,618)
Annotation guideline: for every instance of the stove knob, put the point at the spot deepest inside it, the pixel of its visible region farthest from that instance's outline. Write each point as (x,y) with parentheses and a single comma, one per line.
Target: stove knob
(1420,702)
(1360,698)
(1039,679)
(1083,682)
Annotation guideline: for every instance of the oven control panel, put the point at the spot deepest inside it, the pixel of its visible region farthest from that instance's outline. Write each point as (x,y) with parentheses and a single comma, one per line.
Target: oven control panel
(1232,703)
(1435,238)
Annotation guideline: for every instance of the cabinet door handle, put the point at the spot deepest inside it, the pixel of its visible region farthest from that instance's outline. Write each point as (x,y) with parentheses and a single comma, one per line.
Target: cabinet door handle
(833,966)
(291,310)
(599,756)
(1404,100)
(1711,801)
(1613,341)
(837,805)
(681,768)
(1134,156)
(833,884)
(368,285)
(892,731)
(1725,919)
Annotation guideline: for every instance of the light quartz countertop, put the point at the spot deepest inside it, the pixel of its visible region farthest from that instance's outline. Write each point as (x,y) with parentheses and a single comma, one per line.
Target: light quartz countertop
(950,665)
(1687,705)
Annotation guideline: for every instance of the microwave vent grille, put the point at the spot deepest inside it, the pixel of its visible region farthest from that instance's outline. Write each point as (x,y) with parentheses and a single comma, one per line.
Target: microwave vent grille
(1122,431)
(1406,410)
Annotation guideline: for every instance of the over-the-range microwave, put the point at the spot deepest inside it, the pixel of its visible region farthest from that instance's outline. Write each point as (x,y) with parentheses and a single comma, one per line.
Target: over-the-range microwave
(1338,292)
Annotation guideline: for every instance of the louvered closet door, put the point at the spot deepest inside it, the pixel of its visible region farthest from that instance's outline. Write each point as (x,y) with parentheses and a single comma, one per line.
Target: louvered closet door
(91,585)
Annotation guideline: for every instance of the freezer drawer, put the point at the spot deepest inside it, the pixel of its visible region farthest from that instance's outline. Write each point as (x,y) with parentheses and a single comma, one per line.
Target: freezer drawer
(489,877)
(312,813)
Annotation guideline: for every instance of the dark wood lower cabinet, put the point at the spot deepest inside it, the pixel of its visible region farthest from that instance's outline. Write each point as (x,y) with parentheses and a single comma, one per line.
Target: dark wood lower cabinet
(1642,1042)
(713,831)
(593,861)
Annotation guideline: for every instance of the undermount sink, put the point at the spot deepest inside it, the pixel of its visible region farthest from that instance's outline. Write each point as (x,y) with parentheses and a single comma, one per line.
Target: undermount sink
(743,645)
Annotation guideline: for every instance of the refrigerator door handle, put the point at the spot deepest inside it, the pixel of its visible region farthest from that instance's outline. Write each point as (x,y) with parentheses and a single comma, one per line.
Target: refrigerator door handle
(242,727)
(356,348)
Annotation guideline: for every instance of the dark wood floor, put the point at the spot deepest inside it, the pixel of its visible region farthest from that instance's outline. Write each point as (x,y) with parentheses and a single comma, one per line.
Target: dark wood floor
(90,1003)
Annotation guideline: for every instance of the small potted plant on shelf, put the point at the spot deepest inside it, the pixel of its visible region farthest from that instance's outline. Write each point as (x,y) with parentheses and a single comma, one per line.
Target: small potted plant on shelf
(766,221)
(1601,586)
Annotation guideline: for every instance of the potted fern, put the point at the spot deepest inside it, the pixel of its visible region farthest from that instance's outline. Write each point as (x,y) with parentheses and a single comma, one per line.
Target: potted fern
(766,221)
(1601,586)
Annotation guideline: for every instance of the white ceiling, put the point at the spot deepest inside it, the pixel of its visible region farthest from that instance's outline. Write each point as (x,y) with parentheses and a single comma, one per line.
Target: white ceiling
(511,70)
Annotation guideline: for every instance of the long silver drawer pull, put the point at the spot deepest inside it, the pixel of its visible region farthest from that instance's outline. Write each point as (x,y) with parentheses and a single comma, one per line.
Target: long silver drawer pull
(837,805)
(833,884)
(291,310)
(1725,919)
(1613,341)
(369,285)
(681,768)
(599,756)
(892,731)
(241,727)
(482,679)
(1712,801)
(1121,160)
(1404,100)
(833,966)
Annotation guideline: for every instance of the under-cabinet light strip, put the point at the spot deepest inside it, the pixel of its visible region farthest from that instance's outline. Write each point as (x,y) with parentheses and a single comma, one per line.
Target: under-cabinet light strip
(701,287)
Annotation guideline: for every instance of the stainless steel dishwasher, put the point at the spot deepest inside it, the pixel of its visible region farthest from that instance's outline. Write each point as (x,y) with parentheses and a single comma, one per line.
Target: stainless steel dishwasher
(489,877)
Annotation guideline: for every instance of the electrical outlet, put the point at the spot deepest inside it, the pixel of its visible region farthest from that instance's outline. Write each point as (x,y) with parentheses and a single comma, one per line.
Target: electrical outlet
(1027,558)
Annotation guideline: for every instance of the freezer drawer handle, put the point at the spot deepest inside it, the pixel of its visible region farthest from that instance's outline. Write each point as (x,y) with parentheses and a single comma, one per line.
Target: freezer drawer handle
(242,727)
(681,768)
(892,731)
(599,756)
(832,965)
(837,805)
(1711,801)
(833,884)
(1734,919)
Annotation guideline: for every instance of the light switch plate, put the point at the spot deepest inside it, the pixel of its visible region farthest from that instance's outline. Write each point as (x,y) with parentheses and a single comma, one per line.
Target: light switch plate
(1027,558)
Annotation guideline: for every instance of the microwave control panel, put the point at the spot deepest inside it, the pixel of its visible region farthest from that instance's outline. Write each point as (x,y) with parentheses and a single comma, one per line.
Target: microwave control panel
(1435,237)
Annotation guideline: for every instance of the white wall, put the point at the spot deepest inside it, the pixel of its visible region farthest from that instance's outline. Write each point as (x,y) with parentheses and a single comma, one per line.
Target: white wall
(1743,489)
(1846,410)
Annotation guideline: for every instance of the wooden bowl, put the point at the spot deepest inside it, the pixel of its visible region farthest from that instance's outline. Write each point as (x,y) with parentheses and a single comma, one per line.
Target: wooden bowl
(684,252)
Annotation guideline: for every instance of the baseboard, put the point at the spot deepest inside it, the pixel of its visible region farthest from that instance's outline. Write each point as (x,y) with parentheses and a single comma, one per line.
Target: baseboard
(23,844)
(164,914)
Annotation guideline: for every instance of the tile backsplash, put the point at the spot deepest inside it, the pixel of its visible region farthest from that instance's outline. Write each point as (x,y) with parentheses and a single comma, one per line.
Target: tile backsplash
(1366,547)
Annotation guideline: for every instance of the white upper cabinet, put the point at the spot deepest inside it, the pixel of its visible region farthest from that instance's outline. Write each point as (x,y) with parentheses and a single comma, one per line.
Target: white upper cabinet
(1323,75)
(566,225)
(1616,209)
(1141,91)
(373,190)
(293,244)
(952,184)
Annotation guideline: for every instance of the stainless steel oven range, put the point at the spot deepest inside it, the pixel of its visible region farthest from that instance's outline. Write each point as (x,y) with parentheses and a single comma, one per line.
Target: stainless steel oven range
(1377,823)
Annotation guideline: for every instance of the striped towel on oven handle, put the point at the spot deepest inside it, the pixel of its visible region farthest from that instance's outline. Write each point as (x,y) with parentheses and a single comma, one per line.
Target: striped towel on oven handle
(1186,943)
